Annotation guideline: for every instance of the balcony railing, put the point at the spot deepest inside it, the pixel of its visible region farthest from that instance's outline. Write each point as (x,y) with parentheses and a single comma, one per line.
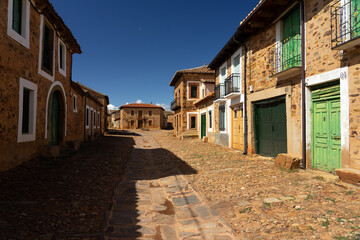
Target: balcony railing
(175,104)
(288,54)
(345,24)
(232,84)
(219,91)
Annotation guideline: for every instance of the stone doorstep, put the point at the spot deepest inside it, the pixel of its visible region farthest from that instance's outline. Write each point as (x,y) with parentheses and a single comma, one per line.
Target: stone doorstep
(287,161)
(349,175)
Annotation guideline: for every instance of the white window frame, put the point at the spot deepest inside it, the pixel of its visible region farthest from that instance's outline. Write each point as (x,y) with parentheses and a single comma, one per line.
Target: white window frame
(42,72)
(222,80)
(210,109)
(237,53)
(225,120)
(62,71)
(87,120)
(75,109)
(31,136)
(24,38)
(189,119)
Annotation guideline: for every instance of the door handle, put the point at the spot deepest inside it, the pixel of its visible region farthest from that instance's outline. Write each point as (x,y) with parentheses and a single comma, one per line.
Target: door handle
(337,138)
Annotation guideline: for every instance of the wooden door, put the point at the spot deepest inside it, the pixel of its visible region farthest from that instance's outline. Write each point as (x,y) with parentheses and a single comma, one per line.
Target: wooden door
(203,125)
(238,129)
(270,128)
(54,119)
(326,130)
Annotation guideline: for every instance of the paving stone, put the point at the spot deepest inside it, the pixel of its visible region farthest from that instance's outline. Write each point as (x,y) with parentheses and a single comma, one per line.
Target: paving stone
(187,200)
(202,211)
(163,219)
(183,213)
(219,237)
(272,200)
(158,208)
(168,233)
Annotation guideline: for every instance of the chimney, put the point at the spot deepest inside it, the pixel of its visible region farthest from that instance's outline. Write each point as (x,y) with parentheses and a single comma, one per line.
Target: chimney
(150,102)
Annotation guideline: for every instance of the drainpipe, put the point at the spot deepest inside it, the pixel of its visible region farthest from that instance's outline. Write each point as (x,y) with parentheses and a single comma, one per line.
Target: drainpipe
(245,98)
(303,104)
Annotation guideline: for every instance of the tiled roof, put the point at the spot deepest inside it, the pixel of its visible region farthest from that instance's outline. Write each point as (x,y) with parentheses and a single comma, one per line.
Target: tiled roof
(204,99)
(140,105)
(47,9)
(202,69)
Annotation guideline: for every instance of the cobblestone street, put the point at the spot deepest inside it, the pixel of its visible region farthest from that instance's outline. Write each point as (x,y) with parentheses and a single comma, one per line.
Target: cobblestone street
(151,185)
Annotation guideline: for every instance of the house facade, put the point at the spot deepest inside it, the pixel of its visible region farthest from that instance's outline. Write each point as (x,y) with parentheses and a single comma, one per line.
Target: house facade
(114,119)
(36,59)
(206,123)
(141,115)
(189,86)
(299,86)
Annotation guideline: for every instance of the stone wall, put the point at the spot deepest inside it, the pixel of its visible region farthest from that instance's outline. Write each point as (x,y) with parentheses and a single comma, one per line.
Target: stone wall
(157,118)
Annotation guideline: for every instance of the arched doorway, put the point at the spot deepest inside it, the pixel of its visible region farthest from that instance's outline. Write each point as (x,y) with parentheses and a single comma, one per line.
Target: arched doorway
(56,118)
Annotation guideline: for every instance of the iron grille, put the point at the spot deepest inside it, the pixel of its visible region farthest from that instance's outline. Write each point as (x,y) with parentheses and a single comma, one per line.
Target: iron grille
(345,22)
(219,91)
(232,84)
(288,53)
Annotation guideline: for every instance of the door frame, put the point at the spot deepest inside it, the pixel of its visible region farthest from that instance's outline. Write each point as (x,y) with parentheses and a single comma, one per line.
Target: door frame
(341,74)
(238,107)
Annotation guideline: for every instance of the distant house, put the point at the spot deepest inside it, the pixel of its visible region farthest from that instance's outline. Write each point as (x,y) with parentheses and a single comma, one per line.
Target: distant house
(205,108)
(114,119)
(140,115)
(190,85)
(104,100)
(169,119)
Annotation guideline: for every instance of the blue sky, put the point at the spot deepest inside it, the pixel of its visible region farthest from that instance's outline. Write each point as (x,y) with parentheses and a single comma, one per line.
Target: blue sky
(131,49)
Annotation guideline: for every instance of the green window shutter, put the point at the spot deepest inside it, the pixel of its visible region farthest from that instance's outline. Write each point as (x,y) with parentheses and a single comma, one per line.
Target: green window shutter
(291,48)
(26,111)
(17,16)
(355,18)
(193,91)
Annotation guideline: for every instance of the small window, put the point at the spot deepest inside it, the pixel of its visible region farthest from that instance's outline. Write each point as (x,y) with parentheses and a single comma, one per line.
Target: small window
(150,113)
(140,114)
(132,123)
(75,103)
(210,119)
(62,58)
(235,114)
(150,123)
(94,119)
(132,113)
(203,93)
(87,117)
(48,49)
(98,122)
(193,122)
(19,21)
(222,118)
(193,91)
(27,111)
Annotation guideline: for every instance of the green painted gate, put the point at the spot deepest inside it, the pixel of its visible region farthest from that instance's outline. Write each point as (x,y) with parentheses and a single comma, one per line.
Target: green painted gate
(54,119)
(203,125)
(270,127)
(326,132)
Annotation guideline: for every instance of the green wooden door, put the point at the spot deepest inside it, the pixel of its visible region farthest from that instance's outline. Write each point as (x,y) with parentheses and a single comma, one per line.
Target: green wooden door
(203,125)
(326,132)
(54,119)
(270,128)
(291,49)
(355,18)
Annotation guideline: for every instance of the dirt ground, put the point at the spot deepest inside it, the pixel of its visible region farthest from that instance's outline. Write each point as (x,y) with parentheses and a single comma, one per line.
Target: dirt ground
(261,202)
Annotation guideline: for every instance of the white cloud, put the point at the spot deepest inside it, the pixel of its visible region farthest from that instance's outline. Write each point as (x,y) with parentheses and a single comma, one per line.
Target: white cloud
(112,107)
(164,106)
(139,101)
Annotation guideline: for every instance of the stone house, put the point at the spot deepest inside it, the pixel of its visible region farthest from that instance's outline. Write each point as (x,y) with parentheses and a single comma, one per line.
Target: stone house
(205,109)
(104,100)
(189,86)
(299,69)
(169,119)
(114,119)
(141,115)
(35,71)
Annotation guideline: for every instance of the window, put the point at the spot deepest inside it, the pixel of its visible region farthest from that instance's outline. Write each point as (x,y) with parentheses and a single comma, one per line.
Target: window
(75,103)
(193,91)
(19,21)
(150,123)
(98,122)
(94,119)
(222,74)
(132,123)
(132,113)
(46,56)
(62,58)
(235,113)
(140,114)
(27,111)
(222,118)
(150,113)
(203,93)
(87,117)
(210,119)
(193,122)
